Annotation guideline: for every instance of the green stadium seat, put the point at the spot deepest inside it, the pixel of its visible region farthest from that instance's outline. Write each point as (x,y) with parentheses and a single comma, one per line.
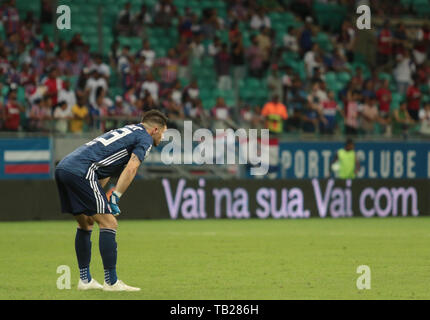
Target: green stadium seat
(343,77)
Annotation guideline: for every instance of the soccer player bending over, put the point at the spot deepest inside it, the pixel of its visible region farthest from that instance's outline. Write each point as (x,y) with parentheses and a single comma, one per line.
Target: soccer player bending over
(80,178)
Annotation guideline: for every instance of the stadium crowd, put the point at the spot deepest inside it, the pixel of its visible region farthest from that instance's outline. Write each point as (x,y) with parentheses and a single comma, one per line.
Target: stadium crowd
(341,87)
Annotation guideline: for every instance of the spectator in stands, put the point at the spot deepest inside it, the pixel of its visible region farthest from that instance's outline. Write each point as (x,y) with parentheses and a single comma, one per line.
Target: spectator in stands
(184,59)
(352,113)
(210,24)
(173,110)
(197,48)
(169,69)
(274,83)
(384,98)
(150,86)
(255,58)
(310,119)
(192,91)
(123,24)
(385,41)
(10,17)
(12,111)
(259,19)
(317,96)
(402,121)
(311,60)
(290,40)
(221,114)
(79,116)
(185,23)
(305,39)
(67,95)
(141,20)
(369,115)
(237,57)
(148,53)
(239,11)
(177,93)
(422,45)
(62,114)
(124,60)
(196,27)
(41,113)
(296,102)
(215,46)
(369,89)
(53,83)
(46,14)
(400,39)
(329,111)
(114,54)
(403,71)
(275,114)
(413,96)
(94,83)
(165,11)
(264,42)
(199,114)
(222,68)
(102,67)
(424,116)
(346,39)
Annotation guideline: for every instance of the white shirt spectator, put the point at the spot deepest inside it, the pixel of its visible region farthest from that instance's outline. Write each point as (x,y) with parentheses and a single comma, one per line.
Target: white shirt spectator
(424,116)
(61,116)
(404,69)
(152,87)
(290,43)
(193,93)
(213,49)
(69,97)
(310,62)
(123,63)
(197,50)
(92,85)
(149,57)
(258,22)
(177,96)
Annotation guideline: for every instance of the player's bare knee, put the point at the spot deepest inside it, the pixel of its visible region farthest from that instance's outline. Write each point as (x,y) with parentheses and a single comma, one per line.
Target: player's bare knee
(107,221)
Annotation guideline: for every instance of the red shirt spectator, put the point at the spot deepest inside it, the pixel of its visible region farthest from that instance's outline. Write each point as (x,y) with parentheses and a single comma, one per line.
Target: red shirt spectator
(384,97)
(384,42)
(12,115)
(414,97)
(54,84)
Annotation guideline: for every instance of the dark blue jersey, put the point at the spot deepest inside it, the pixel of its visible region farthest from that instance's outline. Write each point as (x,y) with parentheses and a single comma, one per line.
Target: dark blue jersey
(109,153)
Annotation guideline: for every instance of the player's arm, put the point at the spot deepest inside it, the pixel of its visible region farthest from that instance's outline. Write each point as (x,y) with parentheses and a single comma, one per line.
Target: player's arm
(128,174)
(124,182)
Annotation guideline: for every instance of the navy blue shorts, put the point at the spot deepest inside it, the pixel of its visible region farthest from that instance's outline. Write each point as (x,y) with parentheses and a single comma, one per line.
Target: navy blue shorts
(79,195)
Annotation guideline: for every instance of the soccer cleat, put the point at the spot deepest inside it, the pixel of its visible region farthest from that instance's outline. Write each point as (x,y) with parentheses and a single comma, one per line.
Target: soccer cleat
(93,284)
(119,286)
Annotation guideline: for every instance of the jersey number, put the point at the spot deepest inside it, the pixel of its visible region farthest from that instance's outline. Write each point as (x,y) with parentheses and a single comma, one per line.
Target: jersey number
(116,135)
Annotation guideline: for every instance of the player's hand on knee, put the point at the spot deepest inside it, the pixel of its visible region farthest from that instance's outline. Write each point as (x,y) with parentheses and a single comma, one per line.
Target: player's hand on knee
(113,203)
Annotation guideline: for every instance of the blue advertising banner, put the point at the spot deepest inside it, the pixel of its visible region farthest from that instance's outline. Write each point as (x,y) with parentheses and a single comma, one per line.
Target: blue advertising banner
(25,158)
(388,160)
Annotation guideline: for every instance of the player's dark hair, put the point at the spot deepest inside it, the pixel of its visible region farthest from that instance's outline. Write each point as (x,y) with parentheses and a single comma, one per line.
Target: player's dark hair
(349,141)
(155,117)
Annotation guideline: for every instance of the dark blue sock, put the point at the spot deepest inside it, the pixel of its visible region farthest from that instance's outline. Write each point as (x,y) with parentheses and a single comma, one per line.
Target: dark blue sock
(107,245)
(83,253)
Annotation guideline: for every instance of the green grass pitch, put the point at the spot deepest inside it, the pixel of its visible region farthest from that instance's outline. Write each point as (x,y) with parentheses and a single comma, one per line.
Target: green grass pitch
(227,259)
